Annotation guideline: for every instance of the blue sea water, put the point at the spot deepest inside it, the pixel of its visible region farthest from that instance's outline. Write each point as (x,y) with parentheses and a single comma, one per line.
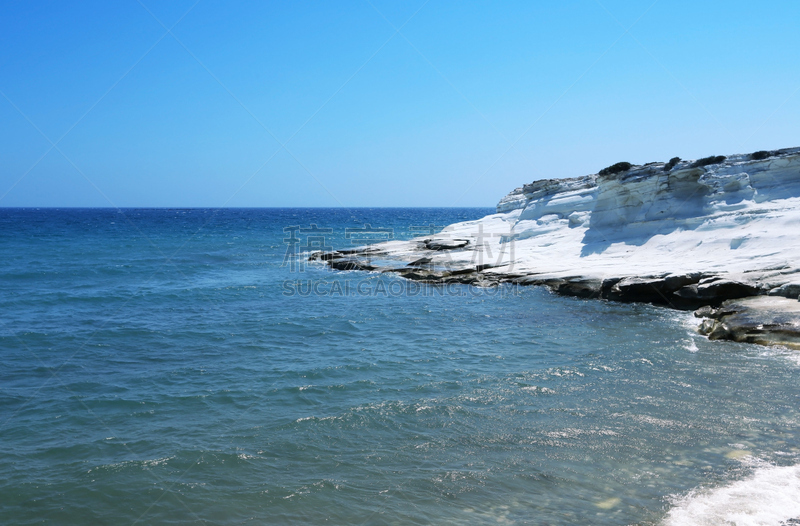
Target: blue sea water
(175,367)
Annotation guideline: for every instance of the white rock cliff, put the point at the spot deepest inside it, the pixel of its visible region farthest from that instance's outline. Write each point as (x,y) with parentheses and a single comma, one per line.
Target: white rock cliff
(683,234)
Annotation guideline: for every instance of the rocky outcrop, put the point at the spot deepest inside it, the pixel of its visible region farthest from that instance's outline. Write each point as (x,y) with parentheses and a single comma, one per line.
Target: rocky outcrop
(763,319)
(683,234)
(715,290)
(445,244)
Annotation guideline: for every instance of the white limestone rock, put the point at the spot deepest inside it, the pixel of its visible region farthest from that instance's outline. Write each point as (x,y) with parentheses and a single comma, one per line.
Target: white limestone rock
(737,220)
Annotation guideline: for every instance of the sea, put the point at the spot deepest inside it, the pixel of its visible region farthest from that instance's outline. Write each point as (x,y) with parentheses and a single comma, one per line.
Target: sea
(190,366)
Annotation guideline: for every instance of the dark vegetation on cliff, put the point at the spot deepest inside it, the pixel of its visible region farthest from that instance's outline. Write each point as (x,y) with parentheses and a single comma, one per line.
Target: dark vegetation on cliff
(705,161)
(616,168)
(761,154)
(671,164)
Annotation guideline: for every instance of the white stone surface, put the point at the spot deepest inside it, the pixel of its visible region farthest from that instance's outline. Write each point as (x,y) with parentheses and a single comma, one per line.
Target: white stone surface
(731,218)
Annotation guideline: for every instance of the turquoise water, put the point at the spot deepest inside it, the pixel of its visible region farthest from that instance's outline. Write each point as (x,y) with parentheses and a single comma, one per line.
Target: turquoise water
(156,369)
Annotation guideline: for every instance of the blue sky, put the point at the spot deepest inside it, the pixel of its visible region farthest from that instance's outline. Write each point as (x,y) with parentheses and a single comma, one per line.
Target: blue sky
(328,104)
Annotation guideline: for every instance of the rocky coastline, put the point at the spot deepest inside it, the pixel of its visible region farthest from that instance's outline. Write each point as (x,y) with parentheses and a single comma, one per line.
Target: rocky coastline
(719,236)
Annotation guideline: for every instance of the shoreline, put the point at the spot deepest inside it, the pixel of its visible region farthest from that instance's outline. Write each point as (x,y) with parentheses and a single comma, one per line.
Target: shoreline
(716,236)
(723,313)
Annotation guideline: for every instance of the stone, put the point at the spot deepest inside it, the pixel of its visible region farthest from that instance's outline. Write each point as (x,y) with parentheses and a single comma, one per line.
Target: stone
(766,320)
(657,290)
(445,244)
(696,235)
(788,290)
(422,263)
(577,287)
(350,264)
(714,292)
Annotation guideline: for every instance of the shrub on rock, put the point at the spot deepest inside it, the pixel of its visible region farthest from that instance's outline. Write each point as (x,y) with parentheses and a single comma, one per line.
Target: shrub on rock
(616,168)
(705,161)
(759,155)
(671,164)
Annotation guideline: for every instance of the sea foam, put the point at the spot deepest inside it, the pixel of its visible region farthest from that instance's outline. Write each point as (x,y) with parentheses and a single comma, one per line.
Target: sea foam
(770,496)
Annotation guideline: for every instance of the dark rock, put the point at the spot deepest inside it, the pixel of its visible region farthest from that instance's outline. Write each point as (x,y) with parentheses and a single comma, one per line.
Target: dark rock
(577,287)
(638,289)
(658,290)
(766,320)
(337,254)
(674,282)
(350,264)
(716,330)
(324,256)
(715,291)
(606,286)
(445,244)
(419,275)
(361,251)
(788,290)
(422,263)
(462,271)
(706,311)
(464,279)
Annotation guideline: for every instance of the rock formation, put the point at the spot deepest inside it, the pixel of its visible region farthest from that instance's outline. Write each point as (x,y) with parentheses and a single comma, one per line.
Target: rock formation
(684,234)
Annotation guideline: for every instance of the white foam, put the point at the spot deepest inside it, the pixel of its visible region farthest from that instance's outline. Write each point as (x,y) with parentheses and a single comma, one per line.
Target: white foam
(770,496)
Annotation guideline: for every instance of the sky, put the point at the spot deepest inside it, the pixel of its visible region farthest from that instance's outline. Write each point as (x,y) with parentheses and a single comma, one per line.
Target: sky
(373,103)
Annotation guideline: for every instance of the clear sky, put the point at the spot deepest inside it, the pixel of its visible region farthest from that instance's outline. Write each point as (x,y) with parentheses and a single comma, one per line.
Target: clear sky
(376,103)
